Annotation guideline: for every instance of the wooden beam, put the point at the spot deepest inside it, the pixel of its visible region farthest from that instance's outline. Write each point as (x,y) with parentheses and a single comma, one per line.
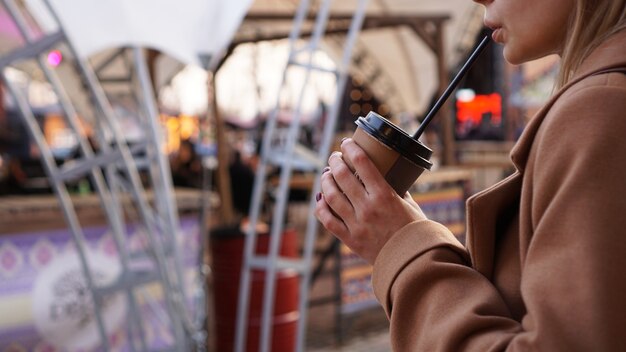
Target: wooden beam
(227,210)
(429,39)
(376,18)
(447,125)
(340,23)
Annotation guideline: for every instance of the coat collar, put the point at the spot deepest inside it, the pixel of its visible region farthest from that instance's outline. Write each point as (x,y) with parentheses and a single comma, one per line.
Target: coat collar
(610,54)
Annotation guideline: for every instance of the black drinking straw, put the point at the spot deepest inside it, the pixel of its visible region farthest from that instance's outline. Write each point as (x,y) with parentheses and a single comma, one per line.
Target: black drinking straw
(433,111)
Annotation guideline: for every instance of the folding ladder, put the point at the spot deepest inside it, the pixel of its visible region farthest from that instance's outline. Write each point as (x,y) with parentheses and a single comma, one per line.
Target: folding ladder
(114,171)
(289,157)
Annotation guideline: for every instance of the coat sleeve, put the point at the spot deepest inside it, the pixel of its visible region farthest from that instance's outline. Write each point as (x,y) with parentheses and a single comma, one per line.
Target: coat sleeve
(434,299)
(573,271)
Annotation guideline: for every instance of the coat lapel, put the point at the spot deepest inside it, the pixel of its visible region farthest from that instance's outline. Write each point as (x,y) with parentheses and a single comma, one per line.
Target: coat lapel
(483,212)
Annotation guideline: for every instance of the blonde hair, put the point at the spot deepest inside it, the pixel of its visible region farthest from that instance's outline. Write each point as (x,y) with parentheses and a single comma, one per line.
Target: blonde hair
(593,21)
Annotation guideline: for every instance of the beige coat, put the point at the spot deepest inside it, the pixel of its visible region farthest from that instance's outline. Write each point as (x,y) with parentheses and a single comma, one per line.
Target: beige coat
(545,263)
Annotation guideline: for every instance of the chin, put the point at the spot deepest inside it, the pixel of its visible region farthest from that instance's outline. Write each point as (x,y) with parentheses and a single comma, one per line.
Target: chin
(513,57)
(518,56)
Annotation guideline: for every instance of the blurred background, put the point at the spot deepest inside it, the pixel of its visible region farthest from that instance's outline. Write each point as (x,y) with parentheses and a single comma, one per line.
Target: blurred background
(139,140)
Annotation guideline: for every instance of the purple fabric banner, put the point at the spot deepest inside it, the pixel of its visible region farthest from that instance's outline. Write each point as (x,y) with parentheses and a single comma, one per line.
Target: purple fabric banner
(27,262)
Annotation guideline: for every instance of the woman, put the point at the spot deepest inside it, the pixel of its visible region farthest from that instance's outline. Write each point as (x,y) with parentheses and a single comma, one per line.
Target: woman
(545,263)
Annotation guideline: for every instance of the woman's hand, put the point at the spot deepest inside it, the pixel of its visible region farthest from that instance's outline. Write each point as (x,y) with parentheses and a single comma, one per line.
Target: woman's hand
(363,212)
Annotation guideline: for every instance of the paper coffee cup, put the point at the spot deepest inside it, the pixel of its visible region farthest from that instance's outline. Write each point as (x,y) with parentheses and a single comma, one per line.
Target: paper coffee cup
(399,158)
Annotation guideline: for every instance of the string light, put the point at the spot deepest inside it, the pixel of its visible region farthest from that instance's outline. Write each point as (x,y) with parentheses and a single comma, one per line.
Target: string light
(54,58)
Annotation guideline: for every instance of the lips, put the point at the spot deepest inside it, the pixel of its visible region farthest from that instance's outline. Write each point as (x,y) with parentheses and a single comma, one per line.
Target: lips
(496,35)
(496,29)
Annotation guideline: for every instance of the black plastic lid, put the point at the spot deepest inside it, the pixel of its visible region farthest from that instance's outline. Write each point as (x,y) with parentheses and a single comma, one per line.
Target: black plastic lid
(391,135)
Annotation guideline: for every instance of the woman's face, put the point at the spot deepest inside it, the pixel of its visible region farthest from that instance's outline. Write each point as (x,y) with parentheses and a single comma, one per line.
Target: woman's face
(528,29)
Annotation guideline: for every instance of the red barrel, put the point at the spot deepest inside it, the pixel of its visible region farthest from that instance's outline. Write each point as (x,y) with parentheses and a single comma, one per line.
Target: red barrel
(227,253)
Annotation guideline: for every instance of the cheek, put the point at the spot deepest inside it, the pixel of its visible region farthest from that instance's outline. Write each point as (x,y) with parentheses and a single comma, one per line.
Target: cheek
(530,44)
(534,28)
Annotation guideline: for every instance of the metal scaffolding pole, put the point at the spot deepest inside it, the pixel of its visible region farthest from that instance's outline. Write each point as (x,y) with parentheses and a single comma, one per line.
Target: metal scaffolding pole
(290,157)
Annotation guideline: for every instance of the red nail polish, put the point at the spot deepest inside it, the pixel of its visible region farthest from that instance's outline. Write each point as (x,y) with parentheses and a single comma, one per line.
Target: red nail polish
(318,196)
(326,169)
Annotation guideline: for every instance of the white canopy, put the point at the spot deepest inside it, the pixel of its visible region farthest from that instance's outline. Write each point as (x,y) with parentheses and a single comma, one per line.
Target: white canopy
(189,30)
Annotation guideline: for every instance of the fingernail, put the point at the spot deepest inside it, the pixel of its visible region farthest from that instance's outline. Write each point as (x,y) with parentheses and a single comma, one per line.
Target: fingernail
(326,169)
(318,196)
(343,139)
